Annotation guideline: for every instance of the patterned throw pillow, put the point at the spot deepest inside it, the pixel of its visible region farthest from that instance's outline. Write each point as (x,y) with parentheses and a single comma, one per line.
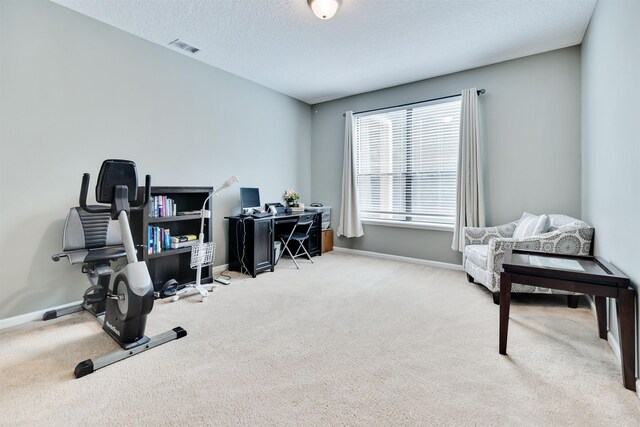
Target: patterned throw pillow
(531,225)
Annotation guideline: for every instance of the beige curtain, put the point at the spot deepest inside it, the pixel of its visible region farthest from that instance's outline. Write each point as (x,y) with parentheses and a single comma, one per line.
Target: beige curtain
(350,224)
(469,195)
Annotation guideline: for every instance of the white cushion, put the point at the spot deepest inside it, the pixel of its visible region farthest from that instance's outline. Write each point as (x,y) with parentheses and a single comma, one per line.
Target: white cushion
(531,225)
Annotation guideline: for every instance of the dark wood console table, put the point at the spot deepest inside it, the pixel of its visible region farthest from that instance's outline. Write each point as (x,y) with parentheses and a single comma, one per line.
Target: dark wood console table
(583,274)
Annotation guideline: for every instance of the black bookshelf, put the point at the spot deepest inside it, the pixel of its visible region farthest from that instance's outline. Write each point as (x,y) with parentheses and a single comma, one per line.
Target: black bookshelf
(173,263)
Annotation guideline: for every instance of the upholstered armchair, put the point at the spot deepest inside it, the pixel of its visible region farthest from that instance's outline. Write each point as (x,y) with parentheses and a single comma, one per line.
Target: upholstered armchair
(485,247)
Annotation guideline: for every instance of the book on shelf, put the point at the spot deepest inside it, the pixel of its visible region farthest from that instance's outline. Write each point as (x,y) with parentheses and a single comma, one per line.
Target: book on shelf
(194,212)
(178,242)
(162,207)
(159,239)
(185,238)
(178,245)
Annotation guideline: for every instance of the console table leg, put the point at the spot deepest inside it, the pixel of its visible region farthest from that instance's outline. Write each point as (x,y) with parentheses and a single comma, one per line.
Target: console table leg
(601,315)
(626,325)
(505,303)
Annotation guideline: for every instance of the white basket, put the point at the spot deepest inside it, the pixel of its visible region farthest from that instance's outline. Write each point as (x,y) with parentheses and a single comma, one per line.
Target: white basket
(202,254)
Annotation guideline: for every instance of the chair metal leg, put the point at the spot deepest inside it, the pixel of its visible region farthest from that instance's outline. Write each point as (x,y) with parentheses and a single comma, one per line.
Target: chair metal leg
(298,254)
(292,257)
(307,253)
(294,261)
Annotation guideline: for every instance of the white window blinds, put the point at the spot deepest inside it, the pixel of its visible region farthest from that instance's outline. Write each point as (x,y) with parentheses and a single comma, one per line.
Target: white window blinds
(406,162)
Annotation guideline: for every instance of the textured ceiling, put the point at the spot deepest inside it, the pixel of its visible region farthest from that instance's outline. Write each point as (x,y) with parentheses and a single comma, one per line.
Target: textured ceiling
(368,45)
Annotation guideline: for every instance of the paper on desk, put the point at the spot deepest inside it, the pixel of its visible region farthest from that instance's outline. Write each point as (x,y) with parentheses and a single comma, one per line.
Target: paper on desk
(567,264)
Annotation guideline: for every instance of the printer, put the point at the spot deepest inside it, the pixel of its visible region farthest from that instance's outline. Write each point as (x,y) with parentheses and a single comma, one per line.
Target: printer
(326,213)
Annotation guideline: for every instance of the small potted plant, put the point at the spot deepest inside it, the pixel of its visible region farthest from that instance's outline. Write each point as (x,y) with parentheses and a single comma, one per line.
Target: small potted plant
(292,198)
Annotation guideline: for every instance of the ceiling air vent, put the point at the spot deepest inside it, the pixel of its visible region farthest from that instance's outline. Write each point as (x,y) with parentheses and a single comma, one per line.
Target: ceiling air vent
(184,46)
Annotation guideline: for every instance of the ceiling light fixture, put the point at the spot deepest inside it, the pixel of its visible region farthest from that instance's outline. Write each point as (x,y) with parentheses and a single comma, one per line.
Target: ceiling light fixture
(324,9)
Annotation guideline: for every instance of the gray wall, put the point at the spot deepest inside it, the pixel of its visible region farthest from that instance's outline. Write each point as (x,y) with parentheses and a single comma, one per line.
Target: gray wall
(75,91)
(611,135)
(531,115)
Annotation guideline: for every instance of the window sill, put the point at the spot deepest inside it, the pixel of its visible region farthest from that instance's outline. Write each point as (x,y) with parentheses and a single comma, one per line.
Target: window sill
(409,224)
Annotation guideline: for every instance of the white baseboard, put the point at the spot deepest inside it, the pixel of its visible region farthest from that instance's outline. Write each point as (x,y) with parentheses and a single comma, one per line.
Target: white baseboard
(30,317)
(613,342)
(37,315)
(592,305)
(220,268)
(400,258)
(615,346)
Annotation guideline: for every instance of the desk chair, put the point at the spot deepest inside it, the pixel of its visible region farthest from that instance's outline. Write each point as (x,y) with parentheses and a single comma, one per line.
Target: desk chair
(299,234)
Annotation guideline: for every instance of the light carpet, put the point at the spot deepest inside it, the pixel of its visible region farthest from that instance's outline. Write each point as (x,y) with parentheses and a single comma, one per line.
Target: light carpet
(348,340)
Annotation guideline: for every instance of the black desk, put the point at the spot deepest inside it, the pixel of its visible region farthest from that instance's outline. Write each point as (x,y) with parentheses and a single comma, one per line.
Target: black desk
(583,274)
(251,240)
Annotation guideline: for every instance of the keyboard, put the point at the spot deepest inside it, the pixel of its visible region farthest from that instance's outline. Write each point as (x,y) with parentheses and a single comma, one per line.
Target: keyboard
(261,215)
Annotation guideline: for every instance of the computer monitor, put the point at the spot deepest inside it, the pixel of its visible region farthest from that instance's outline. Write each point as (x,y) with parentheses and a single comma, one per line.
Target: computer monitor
(250,198)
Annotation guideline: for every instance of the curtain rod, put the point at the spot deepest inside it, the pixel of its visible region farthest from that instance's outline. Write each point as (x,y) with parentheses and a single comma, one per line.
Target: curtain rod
(480,92)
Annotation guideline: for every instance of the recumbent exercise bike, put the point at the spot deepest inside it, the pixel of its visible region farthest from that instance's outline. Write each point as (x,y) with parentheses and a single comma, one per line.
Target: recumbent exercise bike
(97,235)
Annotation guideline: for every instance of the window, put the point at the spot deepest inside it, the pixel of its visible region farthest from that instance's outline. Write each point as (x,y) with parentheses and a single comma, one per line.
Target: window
(407,162)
